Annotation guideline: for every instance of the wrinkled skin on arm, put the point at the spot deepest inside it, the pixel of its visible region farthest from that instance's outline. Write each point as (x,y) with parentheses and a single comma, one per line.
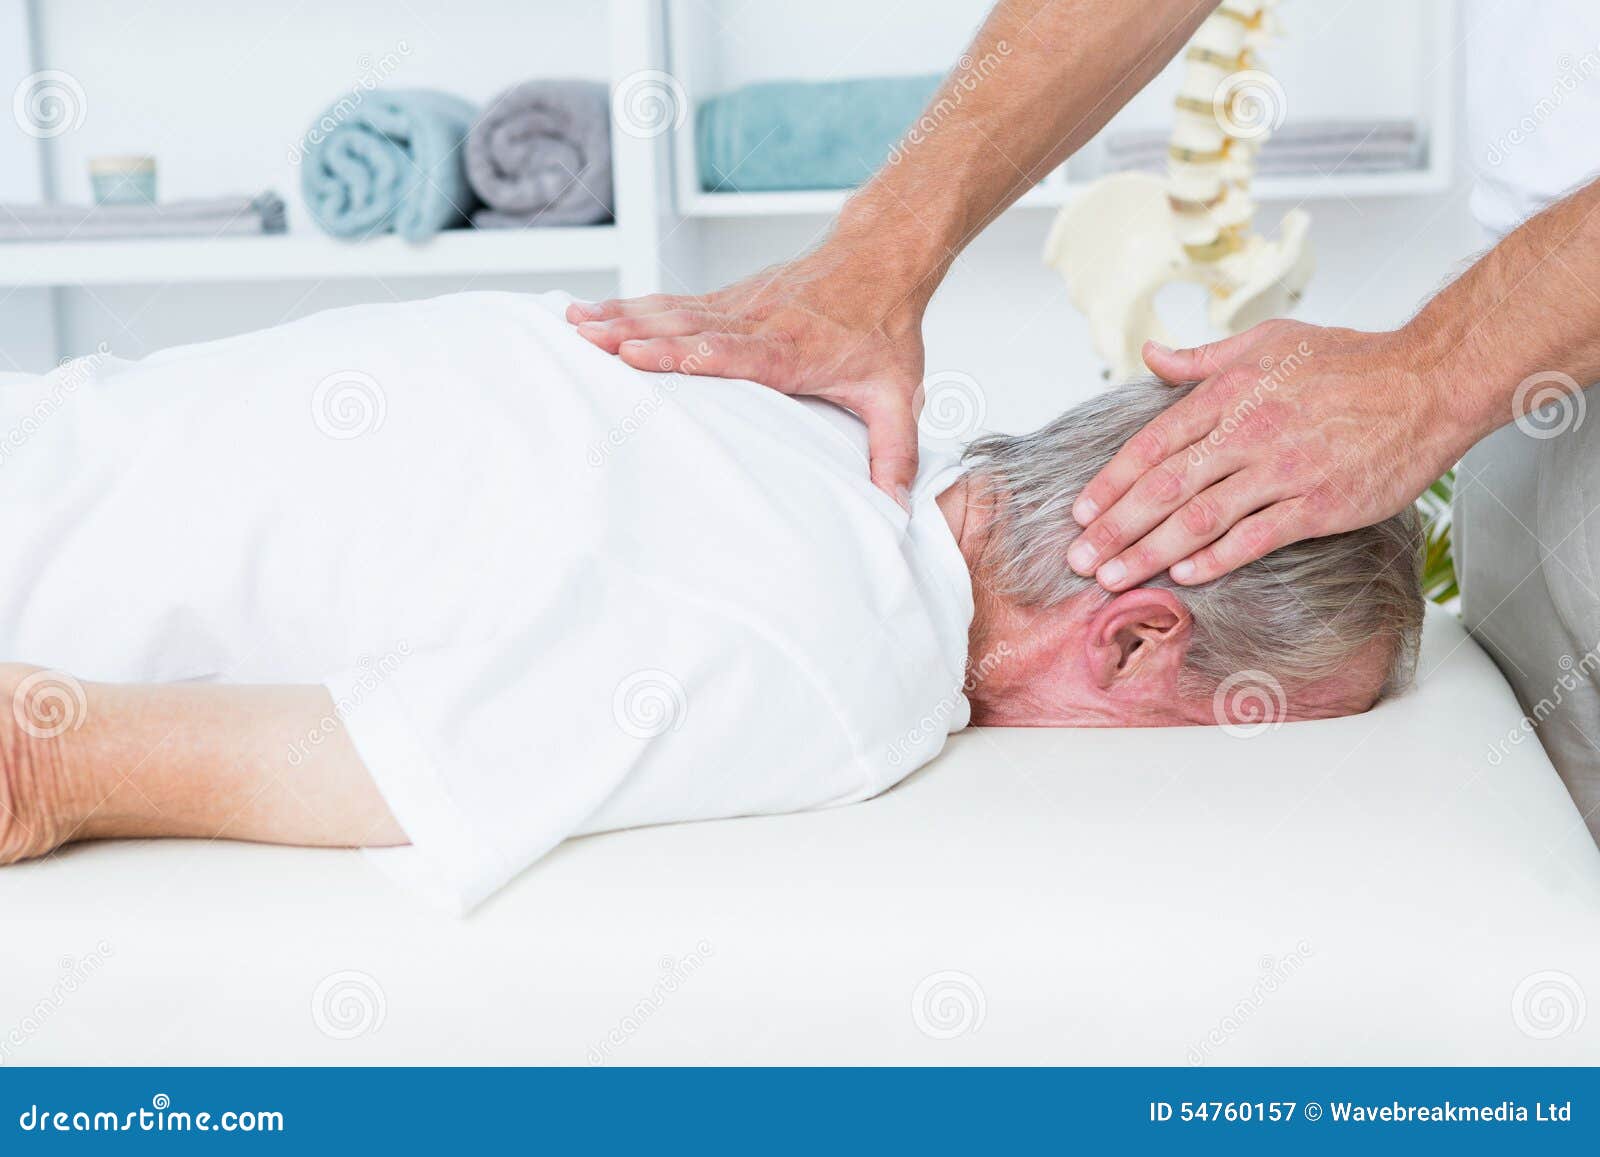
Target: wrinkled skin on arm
(81,760)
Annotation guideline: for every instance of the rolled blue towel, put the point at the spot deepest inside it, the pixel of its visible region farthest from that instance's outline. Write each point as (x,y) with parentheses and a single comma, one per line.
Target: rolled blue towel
(392,163)
(805,135)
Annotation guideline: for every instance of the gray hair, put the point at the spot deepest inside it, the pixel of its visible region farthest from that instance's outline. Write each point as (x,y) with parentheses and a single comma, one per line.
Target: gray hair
(1298,614)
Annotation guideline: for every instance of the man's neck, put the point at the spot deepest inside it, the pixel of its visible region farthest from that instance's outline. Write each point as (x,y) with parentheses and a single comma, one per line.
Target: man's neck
(953,505)
(965,511)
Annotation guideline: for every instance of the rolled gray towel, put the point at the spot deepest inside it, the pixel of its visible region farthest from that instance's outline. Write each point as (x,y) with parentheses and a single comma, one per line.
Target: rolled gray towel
(540,154)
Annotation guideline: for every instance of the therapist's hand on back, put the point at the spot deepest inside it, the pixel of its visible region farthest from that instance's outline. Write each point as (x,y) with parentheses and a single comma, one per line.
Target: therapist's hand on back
(1296,431)
(845,321)
(818,325)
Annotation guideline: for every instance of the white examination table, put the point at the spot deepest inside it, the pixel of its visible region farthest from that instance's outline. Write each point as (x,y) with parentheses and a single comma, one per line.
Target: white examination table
(1098,896)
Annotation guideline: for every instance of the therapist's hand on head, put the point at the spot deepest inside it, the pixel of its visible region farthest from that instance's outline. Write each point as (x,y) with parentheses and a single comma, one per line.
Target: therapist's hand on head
(1298,431)
(1295,431)
(813,326)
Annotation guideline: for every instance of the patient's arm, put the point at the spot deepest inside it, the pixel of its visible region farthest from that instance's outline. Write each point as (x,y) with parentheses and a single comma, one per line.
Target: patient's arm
(96,760)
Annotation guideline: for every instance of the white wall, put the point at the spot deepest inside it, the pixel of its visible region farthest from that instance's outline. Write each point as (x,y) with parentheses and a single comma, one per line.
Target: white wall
(220,92)
(27,337)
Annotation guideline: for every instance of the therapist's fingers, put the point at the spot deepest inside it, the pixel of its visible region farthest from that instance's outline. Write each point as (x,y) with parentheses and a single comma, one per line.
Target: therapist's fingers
(580,311)
(891,440)
(1149,501)
(1201,361)
(608,335)
(1250,539)
(708,354)
(1179,426)
(1201,520)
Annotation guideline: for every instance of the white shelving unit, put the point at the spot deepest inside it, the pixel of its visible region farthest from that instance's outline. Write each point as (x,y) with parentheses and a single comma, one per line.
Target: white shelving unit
(304,256)
(630,250)
(698,203)
(1422,33)
(826,202)
(703,46)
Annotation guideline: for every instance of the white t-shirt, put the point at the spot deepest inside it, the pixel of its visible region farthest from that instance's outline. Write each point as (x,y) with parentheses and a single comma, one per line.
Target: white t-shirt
(550,594)
(1533,104)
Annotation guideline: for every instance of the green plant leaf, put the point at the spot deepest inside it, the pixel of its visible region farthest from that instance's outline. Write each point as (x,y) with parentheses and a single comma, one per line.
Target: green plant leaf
(1438,564)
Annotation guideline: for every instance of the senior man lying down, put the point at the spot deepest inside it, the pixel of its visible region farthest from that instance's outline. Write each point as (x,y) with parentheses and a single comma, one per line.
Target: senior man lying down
(443,574)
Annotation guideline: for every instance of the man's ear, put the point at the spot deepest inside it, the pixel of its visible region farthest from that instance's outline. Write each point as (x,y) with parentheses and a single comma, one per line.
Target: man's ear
(1140,634)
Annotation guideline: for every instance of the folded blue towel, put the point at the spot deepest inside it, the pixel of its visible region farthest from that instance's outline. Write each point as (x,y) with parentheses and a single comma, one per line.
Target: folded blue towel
(805,135)
(392,163)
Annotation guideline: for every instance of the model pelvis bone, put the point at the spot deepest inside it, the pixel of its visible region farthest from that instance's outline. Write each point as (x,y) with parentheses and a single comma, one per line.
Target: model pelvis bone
(1121,242)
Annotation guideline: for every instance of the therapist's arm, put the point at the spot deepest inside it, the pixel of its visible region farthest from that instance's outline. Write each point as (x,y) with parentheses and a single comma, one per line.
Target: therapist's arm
(845,321)
(1299,431)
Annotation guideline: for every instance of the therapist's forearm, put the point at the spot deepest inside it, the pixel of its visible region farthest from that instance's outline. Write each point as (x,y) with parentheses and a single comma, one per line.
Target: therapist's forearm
(844,321)
(1530,306)
(1040,78)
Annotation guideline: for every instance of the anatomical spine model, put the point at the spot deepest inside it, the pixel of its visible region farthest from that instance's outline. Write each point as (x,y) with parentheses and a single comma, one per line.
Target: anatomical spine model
(1129,234)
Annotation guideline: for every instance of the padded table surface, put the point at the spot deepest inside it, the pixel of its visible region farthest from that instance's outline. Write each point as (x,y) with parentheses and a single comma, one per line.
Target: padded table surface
(1365,890)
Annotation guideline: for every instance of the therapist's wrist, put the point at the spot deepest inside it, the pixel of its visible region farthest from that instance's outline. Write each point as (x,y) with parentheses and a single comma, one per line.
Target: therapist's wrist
(894,258)
(1464,391)
(845,281)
